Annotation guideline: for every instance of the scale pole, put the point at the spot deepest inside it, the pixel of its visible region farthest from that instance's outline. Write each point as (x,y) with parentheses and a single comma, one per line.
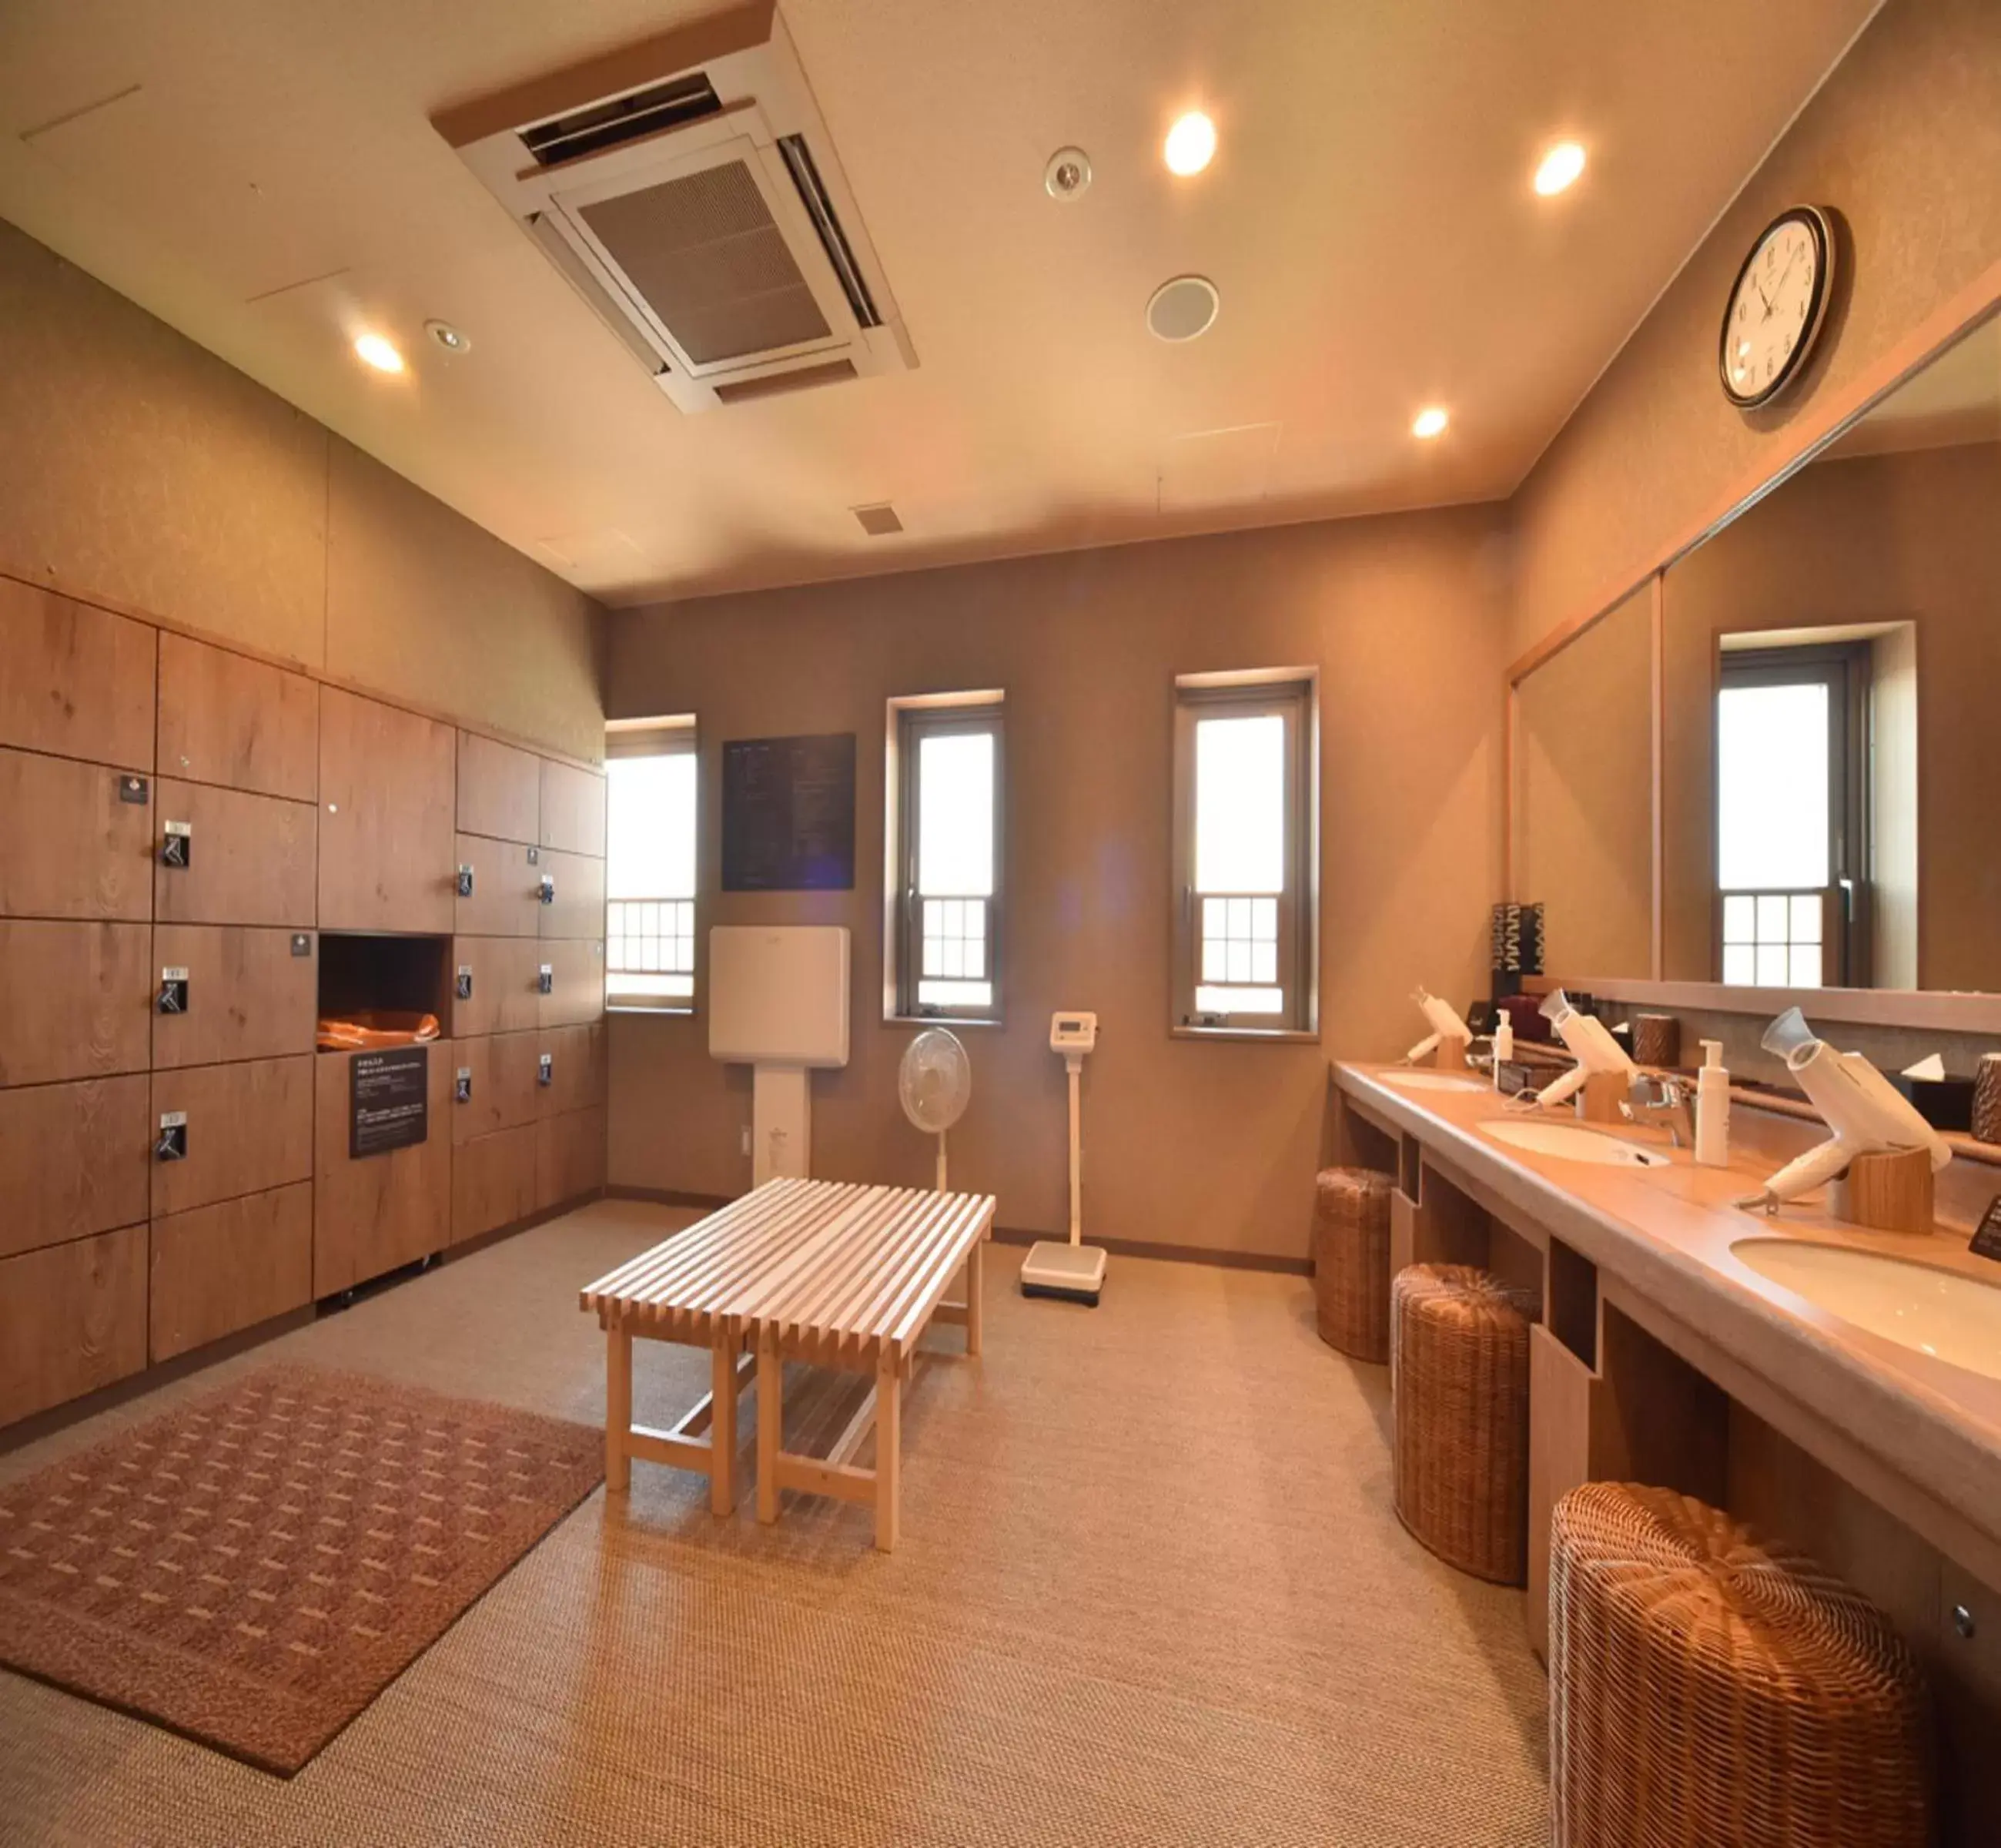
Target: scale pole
(1076,1154)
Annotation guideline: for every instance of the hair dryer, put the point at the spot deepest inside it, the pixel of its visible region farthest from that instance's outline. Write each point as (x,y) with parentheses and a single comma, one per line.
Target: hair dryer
(1445,1025)
(1868,1114)
(1589,1041)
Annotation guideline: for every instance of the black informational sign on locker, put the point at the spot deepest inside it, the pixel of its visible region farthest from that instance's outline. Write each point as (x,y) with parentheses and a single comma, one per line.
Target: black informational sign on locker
(388,1100)
(788,814)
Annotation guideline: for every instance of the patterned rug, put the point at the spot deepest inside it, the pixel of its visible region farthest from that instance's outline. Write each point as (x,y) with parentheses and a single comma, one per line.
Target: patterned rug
(253,1569)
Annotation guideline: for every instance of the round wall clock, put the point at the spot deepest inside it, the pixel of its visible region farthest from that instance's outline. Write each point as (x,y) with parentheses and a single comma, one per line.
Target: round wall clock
(1777,306)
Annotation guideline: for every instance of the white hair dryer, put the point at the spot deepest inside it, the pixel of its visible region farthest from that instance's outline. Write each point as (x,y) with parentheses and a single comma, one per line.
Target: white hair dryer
(1589,1041)
(1444,1022)
(1868,1114)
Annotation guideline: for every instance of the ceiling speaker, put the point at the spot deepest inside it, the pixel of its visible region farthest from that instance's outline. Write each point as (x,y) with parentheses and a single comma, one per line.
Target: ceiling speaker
(1183,307)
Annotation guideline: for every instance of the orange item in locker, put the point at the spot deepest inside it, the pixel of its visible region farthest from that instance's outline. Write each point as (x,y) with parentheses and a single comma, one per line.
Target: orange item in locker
(367,1027)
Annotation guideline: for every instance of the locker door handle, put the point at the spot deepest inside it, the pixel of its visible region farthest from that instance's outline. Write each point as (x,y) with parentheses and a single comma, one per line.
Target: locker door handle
(465,881)
(177,844)
(547,889)
(462,984)
(545,979)
(172,1143)
(545,1069)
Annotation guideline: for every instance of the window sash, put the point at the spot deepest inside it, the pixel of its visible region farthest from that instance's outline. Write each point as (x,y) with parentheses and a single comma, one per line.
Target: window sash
(650,937)
(936,931)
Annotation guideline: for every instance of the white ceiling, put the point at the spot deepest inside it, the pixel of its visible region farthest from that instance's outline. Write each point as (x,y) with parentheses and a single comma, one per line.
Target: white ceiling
(266,179)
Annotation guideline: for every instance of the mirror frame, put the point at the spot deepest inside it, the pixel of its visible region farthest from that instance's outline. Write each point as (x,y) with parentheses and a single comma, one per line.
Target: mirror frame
(1819,425)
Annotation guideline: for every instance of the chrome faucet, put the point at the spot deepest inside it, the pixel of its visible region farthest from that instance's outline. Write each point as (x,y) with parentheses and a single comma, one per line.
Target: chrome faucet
(1671,1106)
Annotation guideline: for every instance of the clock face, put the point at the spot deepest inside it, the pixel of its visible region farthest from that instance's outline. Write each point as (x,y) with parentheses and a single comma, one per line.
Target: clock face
(1775,311)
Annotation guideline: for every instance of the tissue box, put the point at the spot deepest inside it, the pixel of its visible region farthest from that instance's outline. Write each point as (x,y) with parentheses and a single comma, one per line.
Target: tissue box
(1944,1103)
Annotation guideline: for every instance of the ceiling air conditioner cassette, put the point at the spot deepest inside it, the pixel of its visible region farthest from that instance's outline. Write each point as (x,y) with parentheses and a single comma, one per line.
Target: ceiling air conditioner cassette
(687,190)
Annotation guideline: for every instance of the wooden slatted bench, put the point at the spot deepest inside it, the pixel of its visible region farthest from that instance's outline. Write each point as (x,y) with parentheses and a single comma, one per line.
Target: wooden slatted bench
(838,1275)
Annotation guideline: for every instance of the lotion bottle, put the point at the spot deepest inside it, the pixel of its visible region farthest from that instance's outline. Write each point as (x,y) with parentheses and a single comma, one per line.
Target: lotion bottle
(1504,1045)
(1712,1109)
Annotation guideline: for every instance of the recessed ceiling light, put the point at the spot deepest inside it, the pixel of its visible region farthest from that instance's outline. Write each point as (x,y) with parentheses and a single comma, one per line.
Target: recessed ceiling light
(448,336)
(377,352)
(1560,168)
(1190,143)
(1430,422)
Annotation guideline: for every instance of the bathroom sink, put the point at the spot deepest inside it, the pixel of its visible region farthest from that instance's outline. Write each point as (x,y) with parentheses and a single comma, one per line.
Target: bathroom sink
(1433,1080)
(1568,1142)
(1938,1312)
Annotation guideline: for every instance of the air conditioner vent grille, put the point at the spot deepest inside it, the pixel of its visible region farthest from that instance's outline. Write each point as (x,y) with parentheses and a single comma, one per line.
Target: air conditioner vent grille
(834,240)
(622,119)
(708,257)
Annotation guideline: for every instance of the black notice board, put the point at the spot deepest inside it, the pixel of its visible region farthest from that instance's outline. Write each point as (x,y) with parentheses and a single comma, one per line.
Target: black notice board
(388,1100)
(788,814)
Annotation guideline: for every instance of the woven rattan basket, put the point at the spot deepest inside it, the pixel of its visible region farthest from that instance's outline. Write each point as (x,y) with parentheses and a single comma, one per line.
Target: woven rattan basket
(1705,1687)
(1350,1261)
(1459,1374)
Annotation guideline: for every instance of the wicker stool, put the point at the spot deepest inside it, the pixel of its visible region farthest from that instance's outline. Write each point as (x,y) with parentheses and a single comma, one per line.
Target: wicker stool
(1459,1380)
(1704,1687)
(1350,1261)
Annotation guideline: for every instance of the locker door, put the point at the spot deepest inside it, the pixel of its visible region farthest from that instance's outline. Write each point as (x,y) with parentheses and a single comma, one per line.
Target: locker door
(249,1129)
(387,804)
(76,840)
(578,995)
(572,809)
(247,995)
(499,790)
(249,858)
(76,999)
(75,681)
(73,1160)
(577,910)
(506,899)
(226,718)
(503,974)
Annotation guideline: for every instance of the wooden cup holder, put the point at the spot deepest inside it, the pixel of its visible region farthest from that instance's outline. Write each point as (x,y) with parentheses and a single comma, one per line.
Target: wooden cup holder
(1603,1092)
(1451,1054)
(1889,1193)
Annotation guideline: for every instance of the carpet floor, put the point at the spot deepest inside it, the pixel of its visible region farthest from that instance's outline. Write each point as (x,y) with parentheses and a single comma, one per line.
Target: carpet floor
(254,1567)
(1150,1590)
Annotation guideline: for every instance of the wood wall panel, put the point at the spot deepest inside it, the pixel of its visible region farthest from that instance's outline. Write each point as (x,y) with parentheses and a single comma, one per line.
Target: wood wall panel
(504,972)
(387,836)
(226,718)
(72,1319)
(578,1069)
(229,1266)
(506,900)
(381,1211)
(69,846)
(248,997)
(569,1157)
(505,1093)
(578,908)
(499,790)
(75,681)
(76,999)
(578,996)
(572,809)
(252,861)
(492,1182)
(75,1160)
(250,1129)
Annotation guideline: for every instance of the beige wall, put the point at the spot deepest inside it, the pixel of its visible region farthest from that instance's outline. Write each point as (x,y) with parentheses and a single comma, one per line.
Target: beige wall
(1209,1144)
(1904,141)
(1584,797)
(1914,536)
(139,469)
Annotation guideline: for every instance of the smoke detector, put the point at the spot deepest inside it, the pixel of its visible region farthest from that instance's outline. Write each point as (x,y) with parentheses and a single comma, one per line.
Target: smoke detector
(1182,308)
(1067,176)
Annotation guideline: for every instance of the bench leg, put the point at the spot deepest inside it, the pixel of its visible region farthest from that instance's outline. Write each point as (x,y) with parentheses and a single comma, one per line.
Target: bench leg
(888,1453)
(976,1277)
(722,1430)
(617,1406)
(771,1424)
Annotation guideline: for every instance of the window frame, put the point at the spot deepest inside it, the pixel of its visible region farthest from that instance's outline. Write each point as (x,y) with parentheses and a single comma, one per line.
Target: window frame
(675,735)
(1292,693)
(911,719)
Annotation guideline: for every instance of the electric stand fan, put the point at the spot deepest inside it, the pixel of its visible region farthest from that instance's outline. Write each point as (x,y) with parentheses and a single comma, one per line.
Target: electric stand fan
(935,1085)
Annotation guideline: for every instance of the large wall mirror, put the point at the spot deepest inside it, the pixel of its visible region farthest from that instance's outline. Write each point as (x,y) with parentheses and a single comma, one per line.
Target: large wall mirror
(1829,687)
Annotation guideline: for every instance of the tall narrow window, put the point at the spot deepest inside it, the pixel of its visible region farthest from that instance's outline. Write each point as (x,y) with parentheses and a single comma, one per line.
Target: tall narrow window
(1246,852)
(946,836)
(649,867)
(1790,852)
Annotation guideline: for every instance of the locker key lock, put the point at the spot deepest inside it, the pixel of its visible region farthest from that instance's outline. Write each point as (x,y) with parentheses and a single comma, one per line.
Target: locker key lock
(462,986)
(545,979)
(462,1088)
(173,995)
(177,844)
(465,881)
(547,889)
(173,1144)
(545,1071)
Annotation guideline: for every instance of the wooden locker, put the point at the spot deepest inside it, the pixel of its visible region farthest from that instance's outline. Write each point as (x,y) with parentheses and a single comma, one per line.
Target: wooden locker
(578,974)
(72,1319)
(578,909)
(249,1129)
(376,1212)
(226,719)
(502,1070)
(250,858)
(76,999)
(248,996)
(572,809)
(387,806)
(506,900)
(578,1070)
(76,840)
(230,1266)
(505,998)
(75,1160)
(499,790)
(75,681)
(492,1182)
(569,1157)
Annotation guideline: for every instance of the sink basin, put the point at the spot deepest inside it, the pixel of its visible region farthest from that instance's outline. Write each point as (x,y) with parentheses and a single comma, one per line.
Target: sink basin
(1569,1142)
(1937,1312)
(1433,1080)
